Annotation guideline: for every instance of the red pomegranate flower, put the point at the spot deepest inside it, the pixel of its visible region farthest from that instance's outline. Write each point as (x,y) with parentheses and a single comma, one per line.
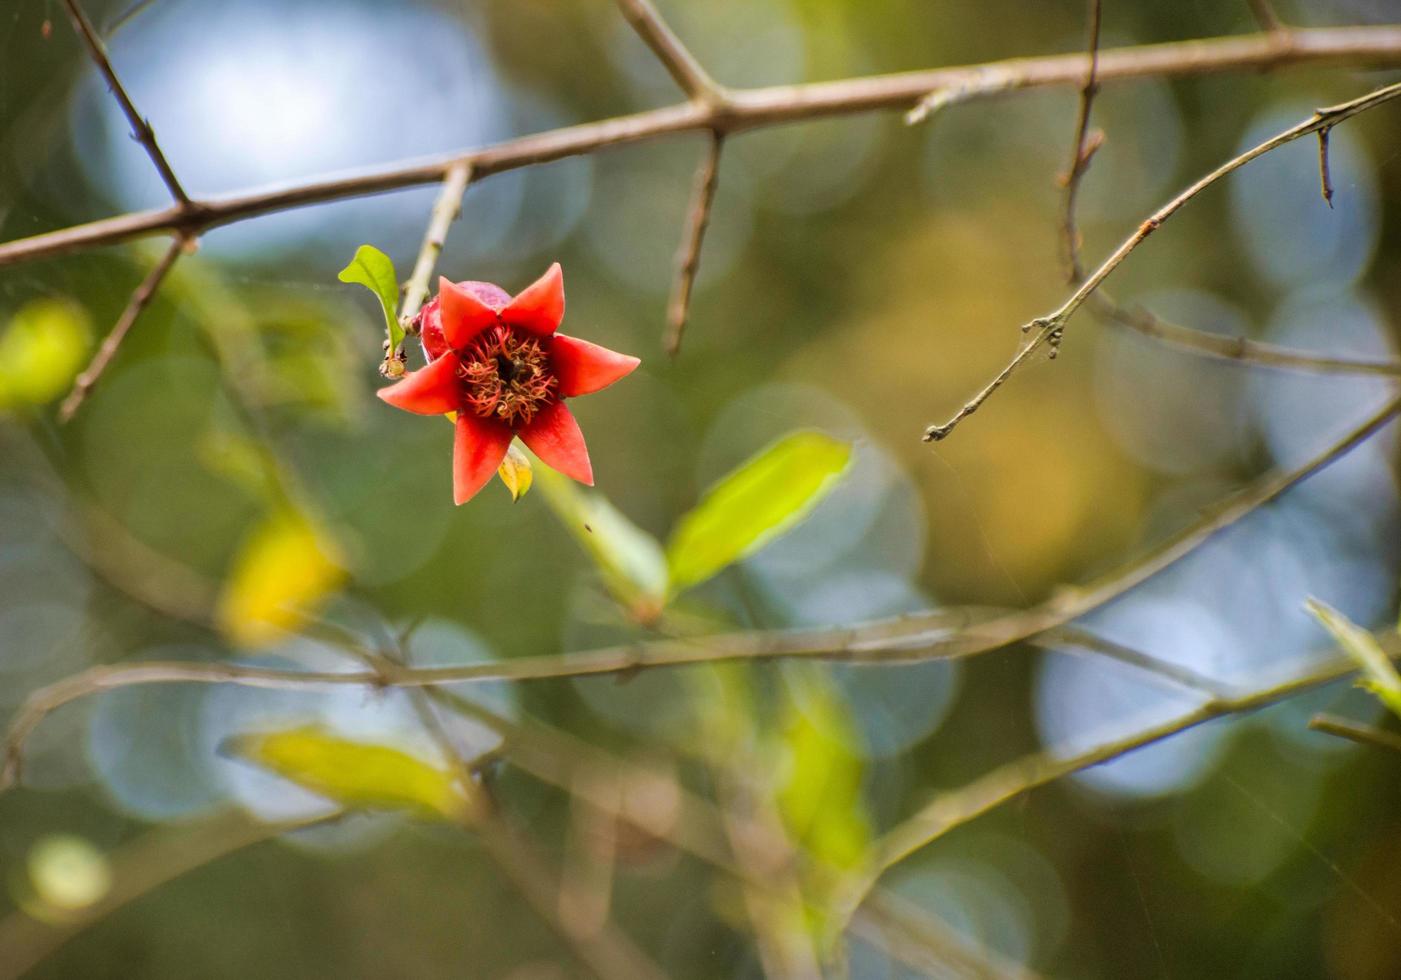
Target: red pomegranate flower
(497,362)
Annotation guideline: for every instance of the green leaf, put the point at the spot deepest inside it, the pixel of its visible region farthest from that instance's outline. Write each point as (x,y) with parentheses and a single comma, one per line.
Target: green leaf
(1380,673)
(357,775)
(630,559)
(820,795)
(41,351)
(754,504)
(374,270)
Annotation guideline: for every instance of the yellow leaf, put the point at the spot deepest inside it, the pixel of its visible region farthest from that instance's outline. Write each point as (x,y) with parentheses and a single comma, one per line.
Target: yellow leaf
(516,473)
(357,775)
(283,571)
(41,351)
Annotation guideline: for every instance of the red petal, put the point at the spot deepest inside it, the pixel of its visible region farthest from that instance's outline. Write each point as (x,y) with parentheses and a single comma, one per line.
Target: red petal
(477,450)
(583,368)
(463,313)
(554,436)
(538,307)
(431,390)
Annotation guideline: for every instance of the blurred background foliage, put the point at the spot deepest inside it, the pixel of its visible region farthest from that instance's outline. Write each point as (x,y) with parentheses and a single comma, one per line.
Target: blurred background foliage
(860,279)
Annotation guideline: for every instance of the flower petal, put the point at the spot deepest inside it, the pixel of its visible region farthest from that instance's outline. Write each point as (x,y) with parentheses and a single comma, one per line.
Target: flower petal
(538,307)
(554,436)
(583,368)
(477,450)
(431,390)
(463,313)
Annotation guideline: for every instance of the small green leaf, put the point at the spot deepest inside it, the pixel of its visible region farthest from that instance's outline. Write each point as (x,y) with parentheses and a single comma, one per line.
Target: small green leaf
(1381,676)
(630,559)
(754,504)
(374,270)
(41,350)
(357,775)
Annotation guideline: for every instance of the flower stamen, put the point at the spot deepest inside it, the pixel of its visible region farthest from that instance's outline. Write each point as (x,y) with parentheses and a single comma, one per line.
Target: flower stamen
(506,375)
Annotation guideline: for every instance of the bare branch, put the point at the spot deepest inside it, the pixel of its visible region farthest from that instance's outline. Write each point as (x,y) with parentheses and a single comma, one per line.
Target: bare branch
(1074,638)
(1048,328)
(1356,732)
(954,809)
(936,635)
(445,211)
(1081,149)
(138,302)
(688,254)
(745,109)
(140,128)
(1237,348)
(675,58)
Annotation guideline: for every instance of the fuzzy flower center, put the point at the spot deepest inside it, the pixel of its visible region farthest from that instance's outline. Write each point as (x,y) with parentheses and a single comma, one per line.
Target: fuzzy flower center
(506,375)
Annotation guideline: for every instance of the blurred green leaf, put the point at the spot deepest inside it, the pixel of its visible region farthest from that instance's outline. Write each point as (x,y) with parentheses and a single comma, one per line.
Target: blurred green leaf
(284,570)
(357,775)
(1380,673)
(374,270)
(242,461)
(41,351)
(819,794)
(630,559)
(755,503)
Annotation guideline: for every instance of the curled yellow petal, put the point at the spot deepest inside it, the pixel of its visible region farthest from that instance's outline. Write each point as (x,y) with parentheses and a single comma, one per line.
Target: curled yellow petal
(516,473)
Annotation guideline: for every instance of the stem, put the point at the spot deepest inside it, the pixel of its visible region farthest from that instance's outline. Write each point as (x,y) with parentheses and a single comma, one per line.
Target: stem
(936,635)
(688,255)
(140,299)
(140,128)
(746,109)
(1048,328)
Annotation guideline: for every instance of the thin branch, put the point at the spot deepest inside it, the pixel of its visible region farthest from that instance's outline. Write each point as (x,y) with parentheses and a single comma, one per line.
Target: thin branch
(675,58)
(1235,348)
(138,302)
(1048,328)
(1082,148)
(1356,732)
(691,823)
(445,211)
(931,945)
(1073,638)
(936,635)
(688,254)
(1266,17)
(954,809)
(140,128)
(745,109)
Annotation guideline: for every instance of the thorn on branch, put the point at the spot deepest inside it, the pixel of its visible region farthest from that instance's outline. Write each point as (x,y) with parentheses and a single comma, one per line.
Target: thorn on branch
(1325,177)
